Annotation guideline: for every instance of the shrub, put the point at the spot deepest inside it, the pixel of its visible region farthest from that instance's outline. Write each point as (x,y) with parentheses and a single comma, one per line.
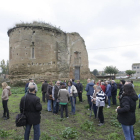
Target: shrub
(69,133)
(114,136)
(88,126)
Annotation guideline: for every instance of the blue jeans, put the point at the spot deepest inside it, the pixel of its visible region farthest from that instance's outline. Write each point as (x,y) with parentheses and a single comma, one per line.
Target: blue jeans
(89,101)
(95,109)
(36,131)
(55,106)
(128,132)
(72,100)
(49,105)
(109,100)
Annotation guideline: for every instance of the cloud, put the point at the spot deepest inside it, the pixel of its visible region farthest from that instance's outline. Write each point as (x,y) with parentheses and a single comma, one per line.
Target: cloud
(102,24)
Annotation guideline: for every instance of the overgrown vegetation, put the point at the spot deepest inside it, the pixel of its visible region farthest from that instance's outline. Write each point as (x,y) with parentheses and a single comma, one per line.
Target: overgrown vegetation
(88,126)
(52,126)
(69,133)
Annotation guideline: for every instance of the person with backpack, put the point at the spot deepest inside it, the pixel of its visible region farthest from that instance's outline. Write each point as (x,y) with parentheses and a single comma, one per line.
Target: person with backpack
(5,97)
(126,111)
(63,97)
(72,90)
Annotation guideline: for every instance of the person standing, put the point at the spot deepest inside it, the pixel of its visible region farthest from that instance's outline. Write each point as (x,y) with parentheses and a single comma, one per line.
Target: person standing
(49,97)
(32,112)
(26,86)
(44,90)
(113,92)
(72,89)
(122,82)
(94,102)
(63,96)
(103,87)
(55,91)
(126,111)
(79,88)
(5,97)
(108,92)
(90,90)
(65,82)
(73,83)
(36,88)
(100,103)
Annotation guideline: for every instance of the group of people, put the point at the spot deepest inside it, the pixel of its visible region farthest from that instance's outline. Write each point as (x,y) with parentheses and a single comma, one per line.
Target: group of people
(61,93)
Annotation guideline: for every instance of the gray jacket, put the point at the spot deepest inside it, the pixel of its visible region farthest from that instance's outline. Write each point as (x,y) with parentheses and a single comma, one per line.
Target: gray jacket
(63,96)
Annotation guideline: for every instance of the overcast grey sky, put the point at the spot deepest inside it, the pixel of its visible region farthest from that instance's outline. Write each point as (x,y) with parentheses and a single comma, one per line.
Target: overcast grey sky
(102,24)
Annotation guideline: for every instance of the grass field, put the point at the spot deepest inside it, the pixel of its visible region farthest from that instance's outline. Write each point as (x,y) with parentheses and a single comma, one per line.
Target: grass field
(81,126)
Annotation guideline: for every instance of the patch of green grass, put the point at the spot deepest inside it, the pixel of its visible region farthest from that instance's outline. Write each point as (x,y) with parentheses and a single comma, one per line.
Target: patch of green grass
(114,136)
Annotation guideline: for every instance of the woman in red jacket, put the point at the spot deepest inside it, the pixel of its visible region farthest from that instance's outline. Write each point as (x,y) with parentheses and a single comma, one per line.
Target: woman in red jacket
(103,87)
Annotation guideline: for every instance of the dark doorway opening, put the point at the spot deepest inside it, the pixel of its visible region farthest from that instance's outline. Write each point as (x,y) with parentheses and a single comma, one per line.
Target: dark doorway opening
(77,73)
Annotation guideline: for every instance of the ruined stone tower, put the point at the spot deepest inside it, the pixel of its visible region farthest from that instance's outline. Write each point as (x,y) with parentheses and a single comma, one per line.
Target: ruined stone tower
(41,51)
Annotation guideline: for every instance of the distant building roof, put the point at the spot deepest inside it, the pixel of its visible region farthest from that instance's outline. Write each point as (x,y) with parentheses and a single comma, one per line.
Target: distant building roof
(136,64)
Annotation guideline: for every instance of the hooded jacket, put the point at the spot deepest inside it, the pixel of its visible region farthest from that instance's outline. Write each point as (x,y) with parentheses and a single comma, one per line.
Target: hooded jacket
(6,92)
(89,88)
(126,112)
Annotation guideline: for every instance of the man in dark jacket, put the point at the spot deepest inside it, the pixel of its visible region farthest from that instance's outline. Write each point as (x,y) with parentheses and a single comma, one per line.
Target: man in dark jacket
(32,112)
(113,91)
(90,90)
(79,88)
(55,91)
(44,90)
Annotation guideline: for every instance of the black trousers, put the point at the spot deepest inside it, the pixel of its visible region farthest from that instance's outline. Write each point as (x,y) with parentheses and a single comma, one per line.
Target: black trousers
(5,107)
(114,99)
(66,110)
(43,96)
(80,96)
(101,115)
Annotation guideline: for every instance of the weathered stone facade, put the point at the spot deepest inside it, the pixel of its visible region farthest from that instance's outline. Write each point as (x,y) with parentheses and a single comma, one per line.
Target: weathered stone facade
(41,52)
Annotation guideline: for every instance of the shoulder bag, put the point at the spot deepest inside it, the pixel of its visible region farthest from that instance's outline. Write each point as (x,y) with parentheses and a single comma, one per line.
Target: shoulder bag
(21,118)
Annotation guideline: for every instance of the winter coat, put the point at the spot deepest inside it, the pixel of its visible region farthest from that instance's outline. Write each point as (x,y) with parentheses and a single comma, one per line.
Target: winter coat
(73,83)
(63,96)
(121,90)
(126,112)
(6,93)
(49,92)
(100,98)
(79,87)
(108,90)
(72,90)
(103,88)
(44,87)
(32,108)
(89,88)
(114,89)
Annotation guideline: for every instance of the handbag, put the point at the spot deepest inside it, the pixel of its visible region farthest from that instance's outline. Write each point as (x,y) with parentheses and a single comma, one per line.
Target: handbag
(21,118)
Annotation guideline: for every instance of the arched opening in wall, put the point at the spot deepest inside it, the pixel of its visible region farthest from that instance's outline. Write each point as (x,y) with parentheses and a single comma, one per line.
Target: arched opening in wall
(33,32)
